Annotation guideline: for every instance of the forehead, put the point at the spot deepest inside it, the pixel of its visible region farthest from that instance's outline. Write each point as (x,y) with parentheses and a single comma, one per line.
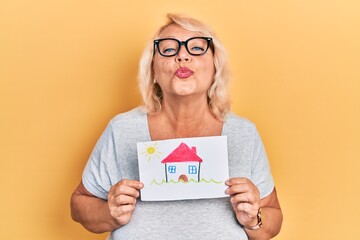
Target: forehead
(175,31)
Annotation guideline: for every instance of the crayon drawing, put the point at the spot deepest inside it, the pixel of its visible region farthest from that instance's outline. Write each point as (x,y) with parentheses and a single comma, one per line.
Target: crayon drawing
(181,162)
(151,150)
(187,168)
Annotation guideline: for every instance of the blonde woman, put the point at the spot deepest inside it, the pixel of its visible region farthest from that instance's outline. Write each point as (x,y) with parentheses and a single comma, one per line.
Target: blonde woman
(183,79)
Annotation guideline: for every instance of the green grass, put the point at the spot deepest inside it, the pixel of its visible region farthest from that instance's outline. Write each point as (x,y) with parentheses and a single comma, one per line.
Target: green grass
(203,180)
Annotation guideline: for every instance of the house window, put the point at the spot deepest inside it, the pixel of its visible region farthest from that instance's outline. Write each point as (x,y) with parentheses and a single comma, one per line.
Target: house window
(192,169)
(172,169)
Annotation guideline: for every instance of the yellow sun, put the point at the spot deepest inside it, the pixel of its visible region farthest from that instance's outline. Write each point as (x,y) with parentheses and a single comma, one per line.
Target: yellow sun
(151,151)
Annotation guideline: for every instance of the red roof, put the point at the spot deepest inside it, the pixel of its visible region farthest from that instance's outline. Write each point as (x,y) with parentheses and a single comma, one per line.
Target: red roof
(182,154)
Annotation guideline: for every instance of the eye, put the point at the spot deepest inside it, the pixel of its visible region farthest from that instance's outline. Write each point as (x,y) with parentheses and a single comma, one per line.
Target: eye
(168,50)
(197,46)
(197,49)
(168,47)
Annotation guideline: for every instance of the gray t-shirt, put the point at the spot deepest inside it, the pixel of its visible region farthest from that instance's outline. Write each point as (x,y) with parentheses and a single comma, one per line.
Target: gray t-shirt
(115,157)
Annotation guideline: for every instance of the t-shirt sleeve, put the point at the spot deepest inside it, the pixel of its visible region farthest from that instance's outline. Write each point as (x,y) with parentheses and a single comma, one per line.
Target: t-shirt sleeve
(102,168)
(261,173)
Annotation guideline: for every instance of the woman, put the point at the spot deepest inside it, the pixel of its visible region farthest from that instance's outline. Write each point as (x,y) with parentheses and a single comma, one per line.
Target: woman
(183,80)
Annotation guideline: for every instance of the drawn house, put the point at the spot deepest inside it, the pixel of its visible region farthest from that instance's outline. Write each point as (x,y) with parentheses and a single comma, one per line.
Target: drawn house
(182,164)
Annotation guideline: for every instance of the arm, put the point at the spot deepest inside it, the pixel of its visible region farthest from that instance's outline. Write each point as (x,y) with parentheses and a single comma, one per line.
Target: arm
(245,199)
(98,215)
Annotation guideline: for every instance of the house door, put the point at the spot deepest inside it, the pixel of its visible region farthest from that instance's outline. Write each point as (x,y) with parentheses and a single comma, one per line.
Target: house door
(183,178)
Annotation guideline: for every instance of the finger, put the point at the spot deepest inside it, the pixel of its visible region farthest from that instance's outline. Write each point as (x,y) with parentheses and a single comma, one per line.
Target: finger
(239,188)
(248,208)
(123,188)
(123,200)
(233,181)
(127,208)
(117,212)
(132,183)
(243,189)
(245,197)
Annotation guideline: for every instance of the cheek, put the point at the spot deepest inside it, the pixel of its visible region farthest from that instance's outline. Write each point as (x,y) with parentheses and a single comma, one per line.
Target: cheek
(209,69)
(162,67)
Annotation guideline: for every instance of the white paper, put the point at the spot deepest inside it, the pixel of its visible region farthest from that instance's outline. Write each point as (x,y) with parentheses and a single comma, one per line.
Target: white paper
(184,168)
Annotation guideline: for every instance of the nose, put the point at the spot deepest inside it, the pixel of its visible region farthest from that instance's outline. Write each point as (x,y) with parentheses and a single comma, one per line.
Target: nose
(182,55)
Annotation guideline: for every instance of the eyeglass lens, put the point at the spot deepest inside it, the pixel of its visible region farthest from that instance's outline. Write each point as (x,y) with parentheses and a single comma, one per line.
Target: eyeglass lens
(195,46)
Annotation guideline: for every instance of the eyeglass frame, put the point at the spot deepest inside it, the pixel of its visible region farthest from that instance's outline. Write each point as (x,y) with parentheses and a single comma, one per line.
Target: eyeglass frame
(185,43)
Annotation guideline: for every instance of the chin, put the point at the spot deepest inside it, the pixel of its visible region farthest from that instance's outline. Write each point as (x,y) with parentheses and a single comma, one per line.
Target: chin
(184,93)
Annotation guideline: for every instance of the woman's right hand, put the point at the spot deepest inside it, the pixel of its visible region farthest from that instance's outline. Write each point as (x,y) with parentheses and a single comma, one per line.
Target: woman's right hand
(122,199)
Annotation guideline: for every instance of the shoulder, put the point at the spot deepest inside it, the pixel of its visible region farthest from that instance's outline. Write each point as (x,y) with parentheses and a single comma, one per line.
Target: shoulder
(129,125)
(239,130)
(134,115)
(234,122)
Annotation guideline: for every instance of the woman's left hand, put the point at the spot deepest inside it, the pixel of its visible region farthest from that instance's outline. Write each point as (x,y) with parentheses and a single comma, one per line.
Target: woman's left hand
(245,200)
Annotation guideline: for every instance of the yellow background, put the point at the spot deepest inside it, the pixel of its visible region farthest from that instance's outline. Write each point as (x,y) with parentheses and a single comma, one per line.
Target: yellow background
(67,67)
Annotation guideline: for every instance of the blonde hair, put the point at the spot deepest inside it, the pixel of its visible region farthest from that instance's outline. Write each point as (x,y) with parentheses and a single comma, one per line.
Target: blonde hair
(218,96)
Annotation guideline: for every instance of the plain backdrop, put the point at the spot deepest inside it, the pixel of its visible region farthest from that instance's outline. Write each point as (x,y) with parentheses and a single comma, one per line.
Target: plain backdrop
(67,67)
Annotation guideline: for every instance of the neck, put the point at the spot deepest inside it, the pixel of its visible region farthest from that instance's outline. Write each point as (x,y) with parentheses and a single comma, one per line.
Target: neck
(182,111)
(184,118)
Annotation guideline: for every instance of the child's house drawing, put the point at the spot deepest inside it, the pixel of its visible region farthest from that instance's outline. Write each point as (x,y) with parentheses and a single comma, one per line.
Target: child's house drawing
(182,164)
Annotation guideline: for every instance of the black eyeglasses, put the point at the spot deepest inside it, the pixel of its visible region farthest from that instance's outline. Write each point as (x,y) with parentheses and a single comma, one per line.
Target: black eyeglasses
(195,46)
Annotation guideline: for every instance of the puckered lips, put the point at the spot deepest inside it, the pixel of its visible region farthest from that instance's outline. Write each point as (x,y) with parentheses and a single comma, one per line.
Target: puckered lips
(183,72)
